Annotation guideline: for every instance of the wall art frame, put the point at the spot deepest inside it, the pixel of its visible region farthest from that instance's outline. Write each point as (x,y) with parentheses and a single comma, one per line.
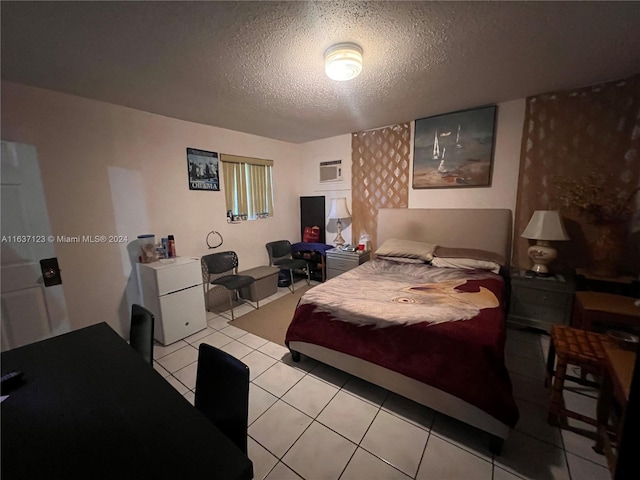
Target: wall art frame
(203,168)
(455,150)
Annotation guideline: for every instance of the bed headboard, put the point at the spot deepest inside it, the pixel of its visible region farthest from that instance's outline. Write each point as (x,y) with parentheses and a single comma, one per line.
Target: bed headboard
(483,228)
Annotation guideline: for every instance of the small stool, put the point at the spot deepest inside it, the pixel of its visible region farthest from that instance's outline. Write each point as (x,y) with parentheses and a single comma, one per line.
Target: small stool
(593,308)
(576,347)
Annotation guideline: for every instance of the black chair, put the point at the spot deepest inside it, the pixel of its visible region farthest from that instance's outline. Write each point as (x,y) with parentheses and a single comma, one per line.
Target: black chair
(223,267)
(222,392)
(280,256)
(141,333)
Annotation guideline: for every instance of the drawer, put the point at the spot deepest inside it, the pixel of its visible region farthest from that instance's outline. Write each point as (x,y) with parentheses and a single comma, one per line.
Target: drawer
(537,296)
(181,314)
(332,273)
(518,322)
(343,264)
(537,311)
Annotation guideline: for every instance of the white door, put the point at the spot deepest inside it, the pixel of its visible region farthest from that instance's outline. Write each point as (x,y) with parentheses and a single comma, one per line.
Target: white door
(30,310)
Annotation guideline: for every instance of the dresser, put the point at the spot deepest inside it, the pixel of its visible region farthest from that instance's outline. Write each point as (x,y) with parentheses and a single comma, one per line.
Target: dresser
(339,261)
(540,302)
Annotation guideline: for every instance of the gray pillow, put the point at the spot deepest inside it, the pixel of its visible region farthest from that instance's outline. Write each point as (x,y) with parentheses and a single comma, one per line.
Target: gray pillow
(395,247)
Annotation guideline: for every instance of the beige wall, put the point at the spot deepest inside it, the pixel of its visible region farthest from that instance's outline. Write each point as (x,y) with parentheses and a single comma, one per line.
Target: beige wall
(334,148)
(112,170)
(504,184)
(501,194)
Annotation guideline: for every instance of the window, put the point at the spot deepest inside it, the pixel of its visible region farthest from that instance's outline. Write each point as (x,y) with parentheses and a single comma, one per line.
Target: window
(248,186)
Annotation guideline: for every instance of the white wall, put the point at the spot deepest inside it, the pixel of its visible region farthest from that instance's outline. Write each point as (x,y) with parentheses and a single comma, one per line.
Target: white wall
(312,153)
(504,185)
(501,194)
(113,170)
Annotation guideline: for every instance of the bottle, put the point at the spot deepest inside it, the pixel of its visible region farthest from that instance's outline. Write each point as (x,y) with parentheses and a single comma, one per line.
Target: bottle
(165,247)
(159,251)
(172,246)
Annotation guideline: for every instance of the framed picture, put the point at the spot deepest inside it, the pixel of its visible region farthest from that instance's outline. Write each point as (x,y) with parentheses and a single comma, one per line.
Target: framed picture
(203,170)
(455,149)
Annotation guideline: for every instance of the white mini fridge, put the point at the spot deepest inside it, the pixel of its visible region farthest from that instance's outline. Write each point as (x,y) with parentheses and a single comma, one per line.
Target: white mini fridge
(172,290)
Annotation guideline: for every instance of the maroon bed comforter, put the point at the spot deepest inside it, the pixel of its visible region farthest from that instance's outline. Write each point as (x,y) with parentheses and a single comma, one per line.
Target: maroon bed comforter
(464,358)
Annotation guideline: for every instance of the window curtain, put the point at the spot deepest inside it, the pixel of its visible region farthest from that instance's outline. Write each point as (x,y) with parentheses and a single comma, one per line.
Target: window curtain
(581,137)
(248,184)
(380,176)
(235,191)
(261,198)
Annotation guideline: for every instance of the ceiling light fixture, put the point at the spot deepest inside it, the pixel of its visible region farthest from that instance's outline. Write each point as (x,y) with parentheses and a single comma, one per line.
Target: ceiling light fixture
(343,61)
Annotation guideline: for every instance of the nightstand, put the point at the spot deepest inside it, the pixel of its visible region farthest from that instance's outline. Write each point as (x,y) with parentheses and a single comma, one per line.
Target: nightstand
(540,302)
(339,261)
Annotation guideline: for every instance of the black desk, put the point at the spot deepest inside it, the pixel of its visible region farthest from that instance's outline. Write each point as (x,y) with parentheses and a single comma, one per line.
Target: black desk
(91,407)
(300,249)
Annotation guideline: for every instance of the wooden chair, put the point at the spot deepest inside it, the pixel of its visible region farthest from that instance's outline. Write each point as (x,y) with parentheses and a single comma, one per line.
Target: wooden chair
(222,392)
(576,347)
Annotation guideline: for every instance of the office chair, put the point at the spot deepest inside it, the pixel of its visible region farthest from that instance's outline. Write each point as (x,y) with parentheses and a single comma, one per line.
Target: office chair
(222,392)
(223,263)
(280,256)
(141,333)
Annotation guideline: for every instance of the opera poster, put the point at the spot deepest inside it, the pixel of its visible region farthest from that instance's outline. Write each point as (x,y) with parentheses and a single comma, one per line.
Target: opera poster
(203,170)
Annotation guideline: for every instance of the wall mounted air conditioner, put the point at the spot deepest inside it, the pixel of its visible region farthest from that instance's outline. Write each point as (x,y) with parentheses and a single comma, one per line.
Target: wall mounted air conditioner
(331,171)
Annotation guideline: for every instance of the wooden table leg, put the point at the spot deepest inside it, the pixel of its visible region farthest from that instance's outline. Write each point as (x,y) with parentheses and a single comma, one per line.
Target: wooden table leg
(556,403)
(551,358)
(605,398)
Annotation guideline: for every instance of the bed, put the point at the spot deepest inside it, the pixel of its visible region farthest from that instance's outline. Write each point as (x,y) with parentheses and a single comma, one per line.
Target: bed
(422,319)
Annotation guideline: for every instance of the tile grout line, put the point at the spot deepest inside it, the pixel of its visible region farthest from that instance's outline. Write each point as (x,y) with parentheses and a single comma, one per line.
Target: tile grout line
(378,406)
(314,419)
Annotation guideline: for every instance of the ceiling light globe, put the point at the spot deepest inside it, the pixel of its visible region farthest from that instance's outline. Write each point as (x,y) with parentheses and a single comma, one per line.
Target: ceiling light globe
(343,61)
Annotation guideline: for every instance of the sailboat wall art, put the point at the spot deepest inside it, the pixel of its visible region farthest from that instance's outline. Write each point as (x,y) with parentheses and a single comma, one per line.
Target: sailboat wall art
(455,149)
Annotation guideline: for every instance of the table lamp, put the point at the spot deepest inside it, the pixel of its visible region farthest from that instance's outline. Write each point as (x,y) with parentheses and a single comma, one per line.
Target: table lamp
(339,210)
(544,226)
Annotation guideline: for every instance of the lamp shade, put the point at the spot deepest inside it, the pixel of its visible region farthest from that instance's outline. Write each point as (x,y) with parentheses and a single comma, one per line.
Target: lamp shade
(343,61)
(545,225)
(339,209)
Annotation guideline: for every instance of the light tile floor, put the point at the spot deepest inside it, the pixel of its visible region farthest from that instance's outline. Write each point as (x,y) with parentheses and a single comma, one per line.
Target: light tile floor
(308,420)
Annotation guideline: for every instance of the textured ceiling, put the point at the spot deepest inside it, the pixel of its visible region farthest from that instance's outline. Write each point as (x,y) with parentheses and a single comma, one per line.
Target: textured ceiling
(257,67)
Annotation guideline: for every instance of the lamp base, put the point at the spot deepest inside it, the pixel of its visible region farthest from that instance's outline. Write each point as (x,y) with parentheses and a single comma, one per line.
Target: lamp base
(339,241)
(532,273)
(541,254)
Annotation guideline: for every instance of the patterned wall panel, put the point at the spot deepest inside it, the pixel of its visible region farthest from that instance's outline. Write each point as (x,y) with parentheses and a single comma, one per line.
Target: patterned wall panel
(380,176)
(579,143)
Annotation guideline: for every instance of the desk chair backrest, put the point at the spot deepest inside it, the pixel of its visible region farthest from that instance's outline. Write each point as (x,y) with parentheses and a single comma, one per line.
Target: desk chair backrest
(141,333)
(222,392)
(225,263)
(279,250)
(280,256)
(221,262)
